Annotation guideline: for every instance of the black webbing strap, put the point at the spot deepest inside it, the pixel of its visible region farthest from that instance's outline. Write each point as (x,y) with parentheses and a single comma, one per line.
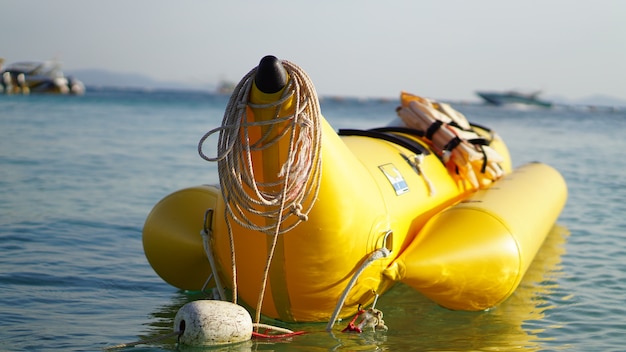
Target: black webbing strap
(432,129)
(398,129)
(479,141)
(389,134)
(453,143)
(482,140)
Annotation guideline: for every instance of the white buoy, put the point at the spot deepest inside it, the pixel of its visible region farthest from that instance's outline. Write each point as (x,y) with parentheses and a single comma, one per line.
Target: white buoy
(209,322)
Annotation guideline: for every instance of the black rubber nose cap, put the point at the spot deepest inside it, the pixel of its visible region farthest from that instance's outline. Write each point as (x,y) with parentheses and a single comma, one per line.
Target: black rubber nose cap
(271,76)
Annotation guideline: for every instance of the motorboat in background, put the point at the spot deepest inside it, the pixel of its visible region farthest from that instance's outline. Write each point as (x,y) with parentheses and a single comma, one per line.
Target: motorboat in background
(225,87)
(38,77)
(513,97)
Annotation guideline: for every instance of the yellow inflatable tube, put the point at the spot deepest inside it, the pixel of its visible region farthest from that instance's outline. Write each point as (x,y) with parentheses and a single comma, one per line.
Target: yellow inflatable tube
(368,188)
(357,205)
(473,255)
(373,194)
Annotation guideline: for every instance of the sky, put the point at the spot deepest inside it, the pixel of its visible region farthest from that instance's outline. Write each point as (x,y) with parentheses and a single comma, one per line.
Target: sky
(445,49)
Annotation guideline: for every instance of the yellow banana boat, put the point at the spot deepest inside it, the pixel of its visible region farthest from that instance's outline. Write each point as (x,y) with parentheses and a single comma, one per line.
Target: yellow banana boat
(385,207)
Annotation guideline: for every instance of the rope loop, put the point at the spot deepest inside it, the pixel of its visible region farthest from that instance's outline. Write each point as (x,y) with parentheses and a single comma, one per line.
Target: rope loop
(298,180)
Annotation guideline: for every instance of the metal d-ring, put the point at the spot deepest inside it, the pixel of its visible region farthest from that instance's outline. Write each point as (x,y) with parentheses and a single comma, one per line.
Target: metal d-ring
(208,220)
(388,241)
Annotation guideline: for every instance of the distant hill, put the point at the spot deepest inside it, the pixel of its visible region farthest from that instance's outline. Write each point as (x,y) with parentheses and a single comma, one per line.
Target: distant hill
(104,78)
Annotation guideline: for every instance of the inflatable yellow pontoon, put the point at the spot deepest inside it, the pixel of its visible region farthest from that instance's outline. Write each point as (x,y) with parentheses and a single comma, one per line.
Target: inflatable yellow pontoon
(308,224)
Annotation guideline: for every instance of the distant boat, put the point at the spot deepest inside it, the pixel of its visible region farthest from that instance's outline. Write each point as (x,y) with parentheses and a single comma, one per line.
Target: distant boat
(38,77)
(225,87)
(513,97)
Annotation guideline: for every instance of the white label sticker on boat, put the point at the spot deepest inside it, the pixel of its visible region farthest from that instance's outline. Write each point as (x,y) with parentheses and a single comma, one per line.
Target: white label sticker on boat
(395,178)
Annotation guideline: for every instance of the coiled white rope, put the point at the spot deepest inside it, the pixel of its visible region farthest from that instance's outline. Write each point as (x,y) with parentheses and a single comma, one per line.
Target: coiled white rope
(234,153)
(297,185)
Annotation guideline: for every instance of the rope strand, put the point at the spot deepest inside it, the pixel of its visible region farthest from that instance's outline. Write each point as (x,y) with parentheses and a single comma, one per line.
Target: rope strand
(287,201)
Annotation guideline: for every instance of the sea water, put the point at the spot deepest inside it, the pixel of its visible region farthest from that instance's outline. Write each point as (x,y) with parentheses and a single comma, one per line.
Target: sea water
(79,175)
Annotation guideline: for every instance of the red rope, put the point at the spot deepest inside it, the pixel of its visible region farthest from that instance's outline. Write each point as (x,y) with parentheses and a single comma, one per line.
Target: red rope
(351,326)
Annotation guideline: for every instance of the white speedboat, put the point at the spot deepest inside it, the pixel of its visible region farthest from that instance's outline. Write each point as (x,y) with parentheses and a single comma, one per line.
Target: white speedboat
(513,97)
(38,77)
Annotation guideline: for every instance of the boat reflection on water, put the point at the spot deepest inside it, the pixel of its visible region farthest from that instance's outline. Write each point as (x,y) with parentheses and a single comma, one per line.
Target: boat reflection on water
(415,322)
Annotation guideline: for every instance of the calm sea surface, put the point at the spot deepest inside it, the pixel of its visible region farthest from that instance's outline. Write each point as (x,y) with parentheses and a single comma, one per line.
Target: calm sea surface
(79,175)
